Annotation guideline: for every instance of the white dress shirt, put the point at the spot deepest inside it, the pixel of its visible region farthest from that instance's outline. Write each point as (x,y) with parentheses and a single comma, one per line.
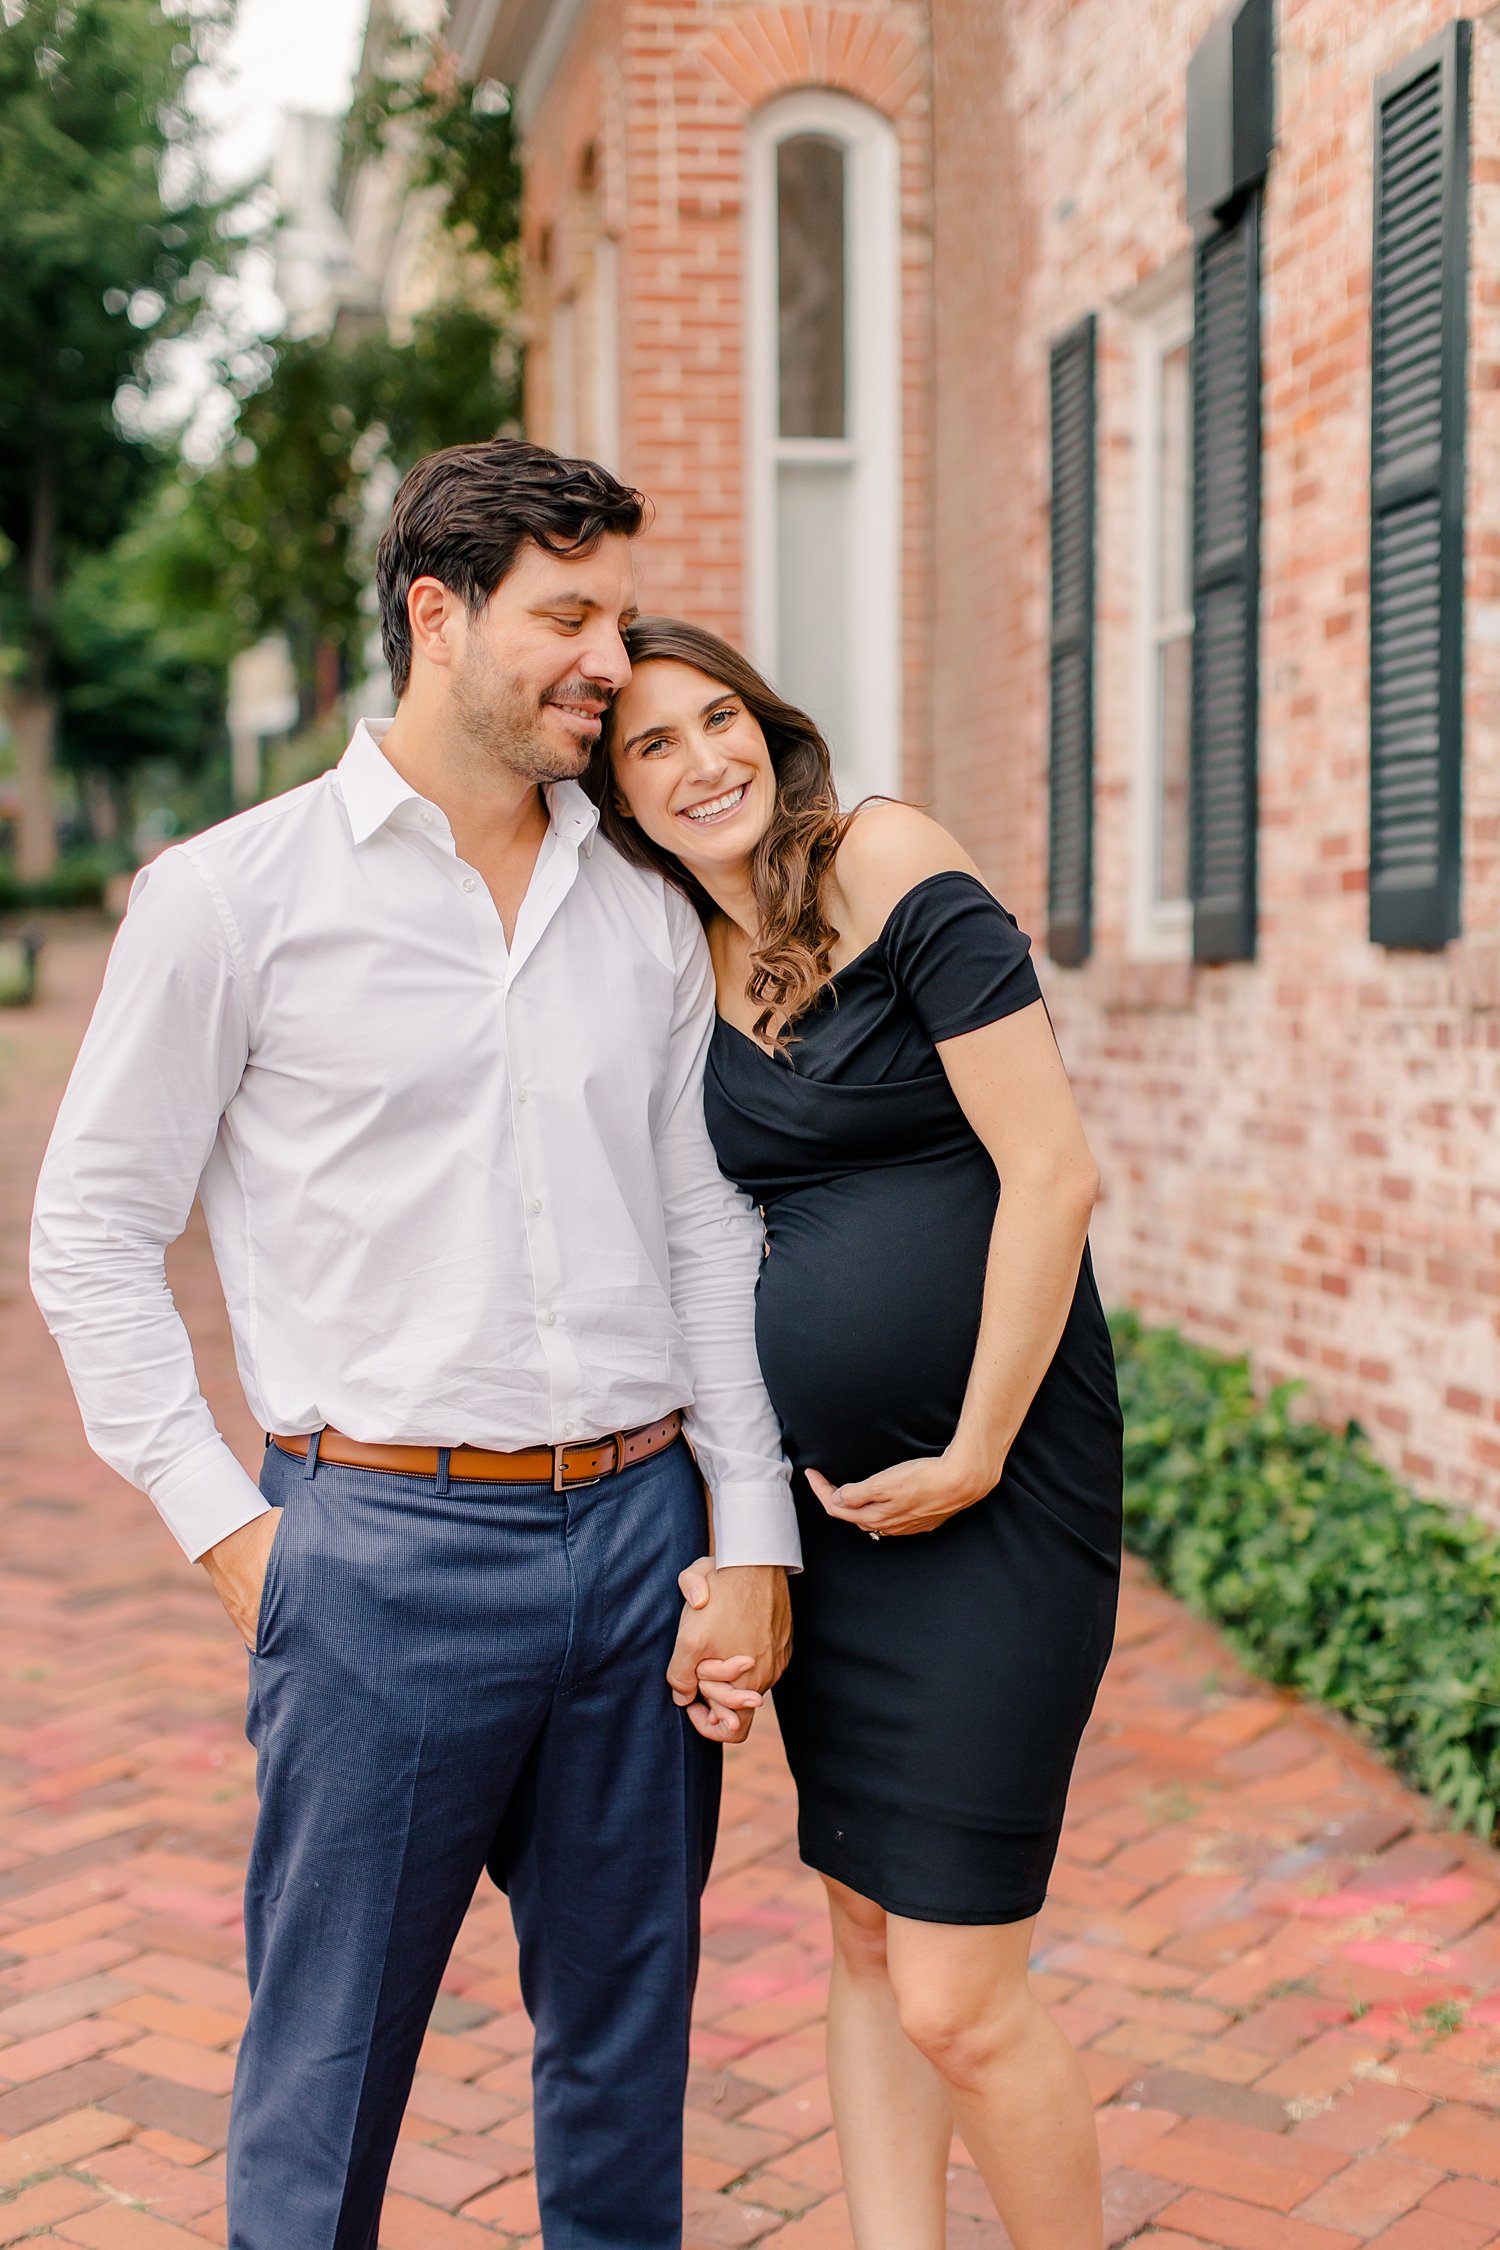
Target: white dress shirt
(459,1192)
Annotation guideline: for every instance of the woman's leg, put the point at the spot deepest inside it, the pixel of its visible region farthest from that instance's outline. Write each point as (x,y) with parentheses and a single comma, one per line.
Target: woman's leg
(1018,2090)
(890,2112)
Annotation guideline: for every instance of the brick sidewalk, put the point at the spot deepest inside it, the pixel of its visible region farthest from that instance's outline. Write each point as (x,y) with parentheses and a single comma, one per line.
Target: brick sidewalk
(1286,1987)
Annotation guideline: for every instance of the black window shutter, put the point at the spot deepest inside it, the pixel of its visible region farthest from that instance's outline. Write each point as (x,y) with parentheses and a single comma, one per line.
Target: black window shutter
(1226,583)
(1417,351)
(1070,839)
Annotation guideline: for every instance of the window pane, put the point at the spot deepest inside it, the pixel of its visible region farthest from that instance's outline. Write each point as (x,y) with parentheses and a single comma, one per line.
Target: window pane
(812,592)
(1175,493)
(810,286)
(1173,687)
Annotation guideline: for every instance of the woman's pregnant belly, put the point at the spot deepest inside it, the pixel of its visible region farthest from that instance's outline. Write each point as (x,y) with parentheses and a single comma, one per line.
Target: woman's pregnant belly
(868,1308)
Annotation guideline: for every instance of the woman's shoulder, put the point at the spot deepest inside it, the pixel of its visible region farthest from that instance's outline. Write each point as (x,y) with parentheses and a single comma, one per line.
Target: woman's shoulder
(887,849)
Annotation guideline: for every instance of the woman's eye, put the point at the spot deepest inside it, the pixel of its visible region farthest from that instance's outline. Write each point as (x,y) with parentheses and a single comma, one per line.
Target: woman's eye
(649,749)
(728,713)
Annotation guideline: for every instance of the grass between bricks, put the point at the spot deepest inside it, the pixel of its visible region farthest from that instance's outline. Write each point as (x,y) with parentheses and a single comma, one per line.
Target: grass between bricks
(1323,1572)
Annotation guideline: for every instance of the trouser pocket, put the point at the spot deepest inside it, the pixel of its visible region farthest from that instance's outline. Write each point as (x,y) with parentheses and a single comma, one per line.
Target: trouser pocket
(270,1587)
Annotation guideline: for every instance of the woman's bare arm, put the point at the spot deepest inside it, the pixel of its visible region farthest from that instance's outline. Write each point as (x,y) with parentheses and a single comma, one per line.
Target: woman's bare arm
(1009,1081)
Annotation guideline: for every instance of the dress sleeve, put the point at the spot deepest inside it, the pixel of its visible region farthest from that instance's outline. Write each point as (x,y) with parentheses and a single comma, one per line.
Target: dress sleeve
(958,956)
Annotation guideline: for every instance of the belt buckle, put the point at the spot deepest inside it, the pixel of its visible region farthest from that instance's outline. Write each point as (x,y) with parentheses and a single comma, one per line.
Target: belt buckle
(581,1484)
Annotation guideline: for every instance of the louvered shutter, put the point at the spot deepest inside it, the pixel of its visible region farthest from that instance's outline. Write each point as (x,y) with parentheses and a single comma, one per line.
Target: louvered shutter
(1070,840)
(1417,494)
(1226,584)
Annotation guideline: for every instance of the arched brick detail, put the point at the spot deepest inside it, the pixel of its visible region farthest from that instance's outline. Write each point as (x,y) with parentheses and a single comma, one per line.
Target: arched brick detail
(762,51)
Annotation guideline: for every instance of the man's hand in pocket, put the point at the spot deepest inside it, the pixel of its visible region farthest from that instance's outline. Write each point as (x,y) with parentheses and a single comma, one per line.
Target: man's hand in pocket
(237,1566)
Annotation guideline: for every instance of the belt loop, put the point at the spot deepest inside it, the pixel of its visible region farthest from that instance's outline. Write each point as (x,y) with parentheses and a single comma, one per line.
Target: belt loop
(443,1452)
(310,1468)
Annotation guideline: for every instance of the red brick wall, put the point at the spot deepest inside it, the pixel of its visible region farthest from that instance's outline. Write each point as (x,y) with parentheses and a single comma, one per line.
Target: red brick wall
(664,89)
(1302,1155)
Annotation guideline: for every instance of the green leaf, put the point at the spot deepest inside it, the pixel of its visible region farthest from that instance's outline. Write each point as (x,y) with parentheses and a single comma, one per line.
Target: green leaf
(1323,1571)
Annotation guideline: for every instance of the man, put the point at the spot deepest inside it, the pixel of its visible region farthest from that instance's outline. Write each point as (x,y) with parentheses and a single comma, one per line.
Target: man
(433,1054)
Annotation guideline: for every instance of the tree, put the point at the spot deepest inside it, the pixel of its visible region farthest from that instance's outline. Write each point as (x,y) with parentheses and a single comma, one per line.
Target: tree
(144,639)
(453,380)
(285,503)
(293,504)
(337,419)
(109,243)
(456,136)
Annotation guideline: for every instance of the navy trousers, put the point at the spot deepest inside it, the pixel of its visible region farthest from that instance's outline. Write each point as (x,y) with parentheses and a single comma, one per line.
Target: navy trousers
(446,1680)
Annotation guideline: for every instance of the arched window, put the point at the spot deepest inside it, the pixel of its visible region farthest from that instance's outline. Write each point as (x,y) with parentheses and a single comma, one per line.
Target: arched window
(825,426)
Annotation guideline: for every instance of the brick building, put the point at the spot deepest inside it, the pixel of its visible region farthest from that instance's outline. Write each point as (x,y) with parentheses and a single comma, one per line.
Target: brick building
(1037,387)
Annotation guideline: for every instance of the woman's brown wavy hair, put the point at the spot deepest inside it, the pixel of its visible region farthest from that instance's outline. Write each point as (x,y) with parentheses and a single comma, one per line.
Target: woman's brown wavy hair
(792,861)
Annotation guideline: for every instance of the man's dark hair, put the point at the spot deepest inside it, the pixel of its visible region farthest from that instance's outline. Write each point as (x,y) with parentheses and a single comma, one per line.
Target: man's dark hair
(463,515)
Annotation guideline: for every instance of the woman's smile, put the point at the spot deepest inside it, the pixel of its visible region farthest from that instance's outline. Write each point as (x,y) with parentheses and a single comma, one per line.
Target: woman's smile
(709,811)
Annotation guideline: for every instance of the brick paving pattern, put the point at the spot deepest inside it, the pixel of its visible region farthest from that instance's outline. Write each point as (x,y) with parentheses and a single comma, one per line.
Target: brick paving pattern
(1285,1984)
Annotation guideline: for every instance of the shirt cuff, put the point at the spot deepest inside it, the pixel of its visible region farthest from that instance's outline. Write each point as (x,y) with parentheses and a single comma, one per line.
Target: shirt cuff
(753,1525)
(205,1496)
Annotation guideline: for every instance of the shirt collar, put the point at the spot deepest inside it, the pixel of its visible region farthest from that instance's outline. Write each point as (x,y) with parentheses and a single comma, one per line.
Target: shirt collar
(373,791)
(575,816)
(371,785)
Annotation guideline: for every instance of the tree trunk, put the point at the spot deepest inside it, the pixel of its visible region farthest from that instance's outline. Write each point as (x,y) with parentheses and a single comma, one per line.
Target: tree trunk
(33,703)
(328,674)
(33,721)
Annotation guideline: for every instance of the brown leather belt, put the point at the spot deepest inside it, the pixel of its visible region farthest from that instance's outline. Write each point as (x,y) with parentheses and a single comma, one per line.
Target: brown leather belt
(564,1467)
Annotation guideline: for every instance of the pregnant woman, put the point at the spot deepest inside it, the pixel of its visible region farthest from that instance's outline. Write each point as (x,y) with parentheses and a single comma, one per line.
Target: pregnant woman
(937,1354)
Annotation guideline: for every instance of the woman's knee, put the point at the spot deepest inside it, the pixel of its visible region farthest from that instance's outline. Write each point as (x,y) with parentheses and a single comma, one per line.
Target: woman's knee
(859,1930)
(965,2032)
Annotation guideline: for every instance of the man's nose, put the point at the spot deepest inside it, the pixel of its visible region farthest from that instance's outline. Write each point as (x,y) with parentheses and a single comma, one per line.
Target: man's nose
(606,659)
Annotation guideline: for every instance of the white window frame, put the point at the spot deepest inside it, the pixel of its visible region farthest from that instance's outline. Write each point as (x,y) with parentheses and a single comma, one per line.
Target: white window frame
(869,755)
(1160,929)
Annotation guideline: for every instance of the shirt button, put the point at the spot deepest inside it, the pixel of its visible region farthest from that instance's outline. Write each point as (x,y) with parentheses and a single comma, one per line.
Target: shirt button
(536,1203)
(551,1319)
(426,820)
(468,882)
(569,1428)
(522,1095)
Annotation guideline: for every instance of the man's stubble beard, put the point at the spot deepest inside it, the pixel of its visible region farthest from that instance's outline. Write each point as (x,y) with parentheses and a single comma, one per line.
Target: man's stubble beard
(500,724)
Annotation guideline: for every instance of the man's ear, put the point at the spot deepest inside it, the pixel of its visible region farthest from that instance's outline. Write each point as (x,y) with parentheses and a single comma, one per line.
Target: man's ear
(430,608)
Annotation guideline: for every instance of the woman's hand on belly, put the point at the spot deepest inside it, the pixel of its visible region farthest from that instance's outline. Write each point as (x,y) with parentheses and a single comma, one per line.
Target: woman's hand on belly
(909,1497)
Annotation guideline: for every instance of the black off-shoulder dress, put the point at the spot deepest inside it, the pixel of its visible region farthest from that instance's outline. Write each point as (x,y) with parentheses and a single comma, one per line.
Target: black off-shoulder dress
(939,1683)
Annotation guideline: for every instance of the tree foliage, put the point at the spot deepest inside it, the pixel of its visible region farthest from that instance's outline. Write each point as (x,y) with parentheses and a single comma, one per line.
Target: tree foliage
(109,244)
(128,580)
(460,138)
(338,419)
(298,498)
(144,642)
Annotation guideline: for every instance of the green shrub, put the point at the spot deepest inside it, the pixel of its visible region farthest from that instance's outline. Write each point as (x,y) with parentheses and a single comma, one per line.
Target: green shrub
(75,883)
(1324,1573)
(17,973)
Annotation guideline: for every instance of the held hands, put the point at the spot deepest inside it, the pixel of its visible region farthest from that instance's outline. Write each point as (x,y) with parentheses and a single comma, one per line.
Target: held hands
(237,1566)
(745,1608)
(909,1497)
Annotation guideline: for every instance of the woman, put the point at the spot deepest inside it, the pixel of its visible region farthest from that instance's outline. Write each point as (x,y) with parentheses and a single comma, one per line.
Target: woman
(943,1372)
